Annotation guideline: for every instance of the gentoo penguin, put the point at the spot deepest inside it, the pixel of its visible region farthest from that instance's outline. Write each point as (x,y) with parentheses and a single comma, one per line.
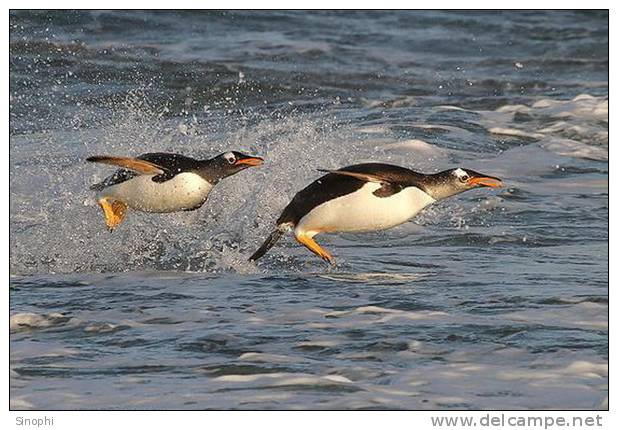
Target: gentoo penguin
(366,197)
(162,182)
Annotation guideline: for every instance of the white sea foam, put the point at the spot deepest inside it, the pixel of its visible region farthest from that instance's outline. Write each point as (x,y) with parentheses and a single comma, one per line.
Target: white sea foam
(268,358)
(577,149)
(386,314)
(418,147)
(573,128)
(584,314)
(100,327)
(372,277)
(514,132)
(32,321)
(20,403)
(283,379)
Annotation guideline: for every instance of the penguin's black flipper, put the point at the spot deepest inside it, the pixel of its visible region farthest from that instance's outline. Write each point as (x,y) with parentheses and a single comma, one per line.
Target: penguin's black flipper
(388,190)
(268,243)
(142,167)
(367,177)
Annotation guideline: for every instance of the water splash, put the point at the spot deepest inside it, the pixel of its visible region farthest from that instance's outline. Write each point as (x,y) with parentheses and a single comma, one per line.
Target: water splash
(57,226)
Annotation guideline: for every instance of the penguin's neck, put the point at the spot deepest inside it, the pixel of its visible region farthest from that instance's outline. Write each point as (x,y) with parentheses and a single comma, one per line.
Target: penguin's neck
(440,185)
(211,170)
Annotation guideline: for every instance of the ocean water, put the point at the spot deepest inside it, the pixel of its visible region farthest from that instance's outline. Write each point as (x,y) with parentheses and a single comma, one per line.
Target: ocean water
(490,299)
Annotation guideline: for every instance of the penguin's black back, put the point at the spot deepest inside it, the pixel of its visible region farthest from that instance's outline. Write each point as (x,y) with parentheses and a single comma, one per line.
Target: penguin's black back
(175,163)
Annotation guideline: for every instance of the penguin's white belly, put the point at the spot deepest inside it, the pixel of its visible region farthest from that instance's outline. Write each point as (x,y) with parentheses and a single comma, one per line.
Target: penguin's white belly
(364,211)
(184,191)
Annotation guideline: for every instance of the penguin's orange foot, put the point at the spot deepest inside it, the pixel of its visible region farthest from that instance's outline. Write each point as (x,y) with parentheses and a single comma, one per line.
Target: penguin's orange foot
(312,246)
(114,212)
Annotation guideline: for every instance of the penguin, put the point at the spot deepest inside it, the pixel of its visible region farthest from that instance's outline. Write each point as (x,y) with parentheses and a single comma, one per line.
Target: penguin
(163,182)
(366,197)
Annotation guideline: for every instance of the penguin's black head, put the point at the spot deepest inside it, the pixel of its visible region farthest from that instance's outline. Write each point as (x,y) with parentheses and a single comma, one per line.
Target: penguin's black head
(229,163)
(455,181)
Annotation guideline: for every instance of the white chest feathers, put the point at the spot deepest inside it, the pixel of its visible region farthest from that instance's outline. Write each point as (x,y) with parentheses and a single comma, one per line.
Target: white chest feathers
(184,191)
(364,211)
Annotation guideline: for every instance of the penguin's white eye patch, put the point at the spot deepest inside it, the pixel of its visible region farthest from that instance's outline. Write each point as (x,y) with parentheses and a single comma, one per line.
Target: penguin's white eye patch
(461,174)
(229,157)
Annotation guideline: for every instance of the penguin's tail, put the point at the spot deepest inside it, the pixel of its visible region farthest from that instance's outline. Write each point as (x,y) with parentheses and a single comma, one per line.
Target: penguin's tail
(269,242)
(98,187)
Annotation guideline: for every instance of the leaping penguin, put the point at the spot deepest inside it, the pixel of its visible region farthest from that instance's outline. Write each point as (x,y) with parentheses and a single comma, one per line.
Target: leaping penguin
(366,197)
(162,182)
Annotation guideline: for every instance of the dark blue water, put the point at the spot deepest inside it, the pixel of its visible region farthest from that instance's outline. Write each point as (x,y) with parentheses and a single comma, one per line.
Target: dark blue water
(491,299)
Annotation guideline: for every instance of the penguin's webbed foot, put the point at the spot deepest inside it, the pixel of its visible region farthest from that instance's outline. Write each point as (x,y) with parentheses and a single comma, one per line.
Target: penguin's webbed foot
(312,246)
(114,212)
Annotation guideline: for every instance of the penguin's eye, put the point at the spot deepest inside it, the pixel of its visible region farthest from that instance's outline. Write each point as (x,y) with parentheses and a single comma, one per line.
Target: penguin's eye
(464,178)
(230,158)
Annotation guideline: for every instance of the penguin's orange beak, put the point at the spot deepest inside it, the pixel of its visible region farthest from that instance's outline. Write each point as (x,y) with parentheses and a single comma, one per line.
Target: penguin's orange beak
(485,181)
(250,161)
